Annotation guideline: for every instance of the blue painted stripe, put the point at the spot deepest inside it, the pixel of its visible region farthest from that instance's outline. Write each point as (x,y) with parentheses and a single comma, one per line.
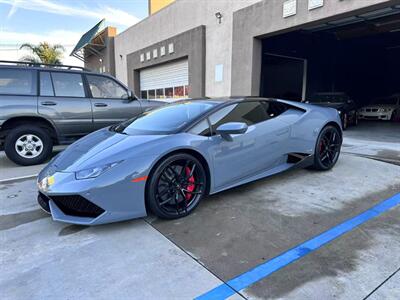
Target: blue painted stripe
(261,271)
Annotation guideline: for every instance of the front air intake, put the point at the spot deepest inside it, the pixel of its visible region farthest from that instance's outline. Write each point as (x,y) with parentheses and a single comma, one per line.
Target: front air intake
(78,206)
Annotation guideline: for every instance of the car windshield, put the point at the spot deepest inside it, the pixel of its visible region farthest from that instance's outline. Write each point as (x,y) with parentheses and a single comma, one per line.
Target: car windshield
(165,119)
(329,98)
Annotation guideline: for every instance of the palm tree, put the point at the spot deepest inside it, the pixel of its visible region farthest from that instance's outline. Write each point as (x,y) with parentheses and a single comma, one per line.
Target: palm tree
(44,53)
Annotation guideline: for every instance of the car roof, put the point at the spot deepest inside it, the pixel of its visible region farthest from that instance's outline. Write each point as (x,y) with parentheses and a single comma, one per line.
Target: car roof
(46,68)
(222,100)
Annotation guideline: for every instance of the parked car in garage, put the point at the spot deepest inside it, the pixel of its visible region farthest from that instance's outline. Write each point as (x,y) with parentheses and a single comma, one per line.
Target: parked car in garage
(387,108)
(342,102)
(45,105)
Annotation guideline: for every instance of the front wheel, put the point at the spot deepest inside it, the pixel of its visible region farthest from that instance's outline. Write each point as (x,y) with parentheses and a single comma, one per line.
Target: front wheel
(28,145)
(327,149)
(176,186)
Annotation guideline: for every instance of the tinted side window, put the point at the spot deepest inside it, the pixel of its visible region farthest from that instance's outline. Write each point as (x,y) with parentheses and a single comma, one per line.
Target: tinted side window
(103,87)
(201,128)
(46,86)
(68,84)
(246,112)
(274,109)
(17,82)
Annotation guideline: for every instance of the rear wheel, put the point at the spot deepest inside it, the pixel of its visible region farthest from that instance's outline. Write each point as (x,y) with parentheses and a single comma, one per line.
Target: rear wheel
(327,150)
(28,145)
(176,186)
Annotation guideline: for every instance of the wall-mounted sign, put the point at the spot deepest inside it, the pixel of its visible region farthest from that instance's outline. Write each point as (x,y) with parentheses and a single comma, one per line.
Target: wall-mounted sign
(219,73)
(315,4)
(289,8)
(171,48)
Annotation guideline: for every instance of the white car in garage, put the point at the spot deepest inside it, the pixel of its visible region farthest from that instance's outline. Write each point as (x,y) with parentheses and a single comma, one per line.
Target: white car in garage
(382,109)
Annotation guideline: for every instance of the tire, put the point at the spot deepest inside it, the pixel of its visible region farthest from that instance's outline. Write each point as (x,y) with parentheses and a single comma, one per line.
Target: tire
(395,117)
(34,140)
(325,159)
(167,182)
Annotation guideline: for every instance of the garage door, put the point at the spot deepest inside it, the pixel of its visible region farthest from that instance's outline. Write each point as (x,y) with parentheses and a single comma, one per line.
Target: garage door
(167,81)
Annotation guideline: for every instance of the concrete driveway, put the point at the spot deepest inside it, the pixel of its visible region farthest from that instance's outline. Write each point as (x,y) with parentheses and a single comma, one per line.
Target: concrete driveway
(229,235)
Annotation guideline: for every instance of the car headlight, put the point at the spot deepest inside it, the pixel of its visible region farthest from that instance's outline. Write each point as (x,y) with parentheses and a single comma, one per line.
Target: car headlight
(384,109)
(95,171)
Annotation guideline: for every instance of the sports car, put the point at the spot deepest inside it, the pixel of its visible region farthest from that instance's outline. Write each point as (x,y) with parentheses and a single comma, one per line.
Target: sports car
(168,159)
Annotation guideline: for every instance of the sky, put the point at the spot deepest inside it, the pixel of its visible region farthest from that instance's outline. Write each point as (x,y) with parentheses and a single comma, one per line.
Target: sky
(61,22)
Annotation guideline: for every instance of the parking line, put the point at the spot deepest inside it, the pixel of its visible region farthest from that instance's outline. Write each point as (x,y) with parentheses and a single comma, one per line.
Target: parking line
(262,271)
(18,178)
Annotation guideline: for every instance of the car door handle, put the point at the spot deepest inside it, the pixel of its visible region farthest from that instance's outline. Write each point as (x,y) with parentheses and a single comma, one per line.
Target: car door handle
(48,103)
(100,105)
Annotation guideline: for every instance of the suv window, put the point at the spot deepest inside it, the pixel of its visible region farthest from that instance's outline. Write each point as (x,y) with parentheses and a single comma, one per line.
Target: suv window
(247,112)
(68,84)
(46,86)
(17,82)
(104,87)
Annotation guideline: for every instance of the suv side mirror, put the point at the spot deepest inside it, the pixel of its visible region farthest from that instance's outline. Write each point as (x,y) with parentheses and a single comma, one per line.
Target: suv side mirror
(225,130)
(131,96)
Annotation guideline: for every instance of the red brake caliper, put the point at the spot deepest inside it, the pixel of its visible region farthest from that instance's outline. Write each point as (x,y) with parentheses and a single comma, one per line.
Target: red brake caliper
(191,185)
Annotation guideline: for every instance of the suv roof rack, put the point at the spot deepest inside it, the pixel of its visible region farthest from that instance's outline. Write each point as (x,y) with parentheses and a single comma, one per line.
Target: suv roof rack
(42,65)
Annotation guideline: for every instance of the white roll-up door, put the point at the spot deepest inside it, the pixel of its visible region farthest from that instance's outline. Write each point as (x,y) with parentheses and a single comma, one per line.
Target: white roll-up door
(159,81)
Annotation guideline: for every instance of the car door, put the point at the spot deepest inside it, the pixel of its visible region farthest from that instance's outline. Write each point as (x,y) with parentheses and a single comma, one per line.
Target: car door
(110,101)
(62,99)
(257,150)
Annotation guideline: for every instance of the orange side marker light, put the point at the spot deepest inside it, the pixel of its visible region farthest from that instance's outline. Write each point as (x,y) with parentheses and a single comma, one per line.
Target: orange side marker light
(139,179)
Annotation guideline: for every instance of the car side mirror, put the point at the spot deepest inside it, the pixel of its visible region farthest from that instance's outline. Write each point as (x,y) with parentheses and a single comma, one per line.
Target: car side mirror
(225,130)
(131,96)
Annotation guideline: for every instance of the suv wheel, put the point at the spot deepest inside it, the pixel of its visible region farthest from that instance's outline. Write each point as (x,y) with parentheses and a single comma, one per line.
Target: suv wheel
(28,145)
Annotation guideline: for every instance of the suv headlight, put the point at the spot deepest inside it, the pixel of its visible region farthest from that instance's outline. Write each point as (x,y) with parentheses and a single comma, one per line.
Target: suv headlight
(95,171)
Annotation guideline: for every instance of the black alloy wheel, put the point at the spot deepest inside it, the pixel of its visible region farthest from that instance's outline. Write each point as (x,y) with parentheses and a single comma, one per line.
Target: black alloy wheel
(176,186)
(328,148)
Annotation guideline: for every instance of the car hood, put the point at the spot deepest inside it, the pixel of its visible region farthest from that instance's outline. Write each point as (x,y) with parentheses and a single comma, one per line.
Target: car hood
(99,148)
(377,106)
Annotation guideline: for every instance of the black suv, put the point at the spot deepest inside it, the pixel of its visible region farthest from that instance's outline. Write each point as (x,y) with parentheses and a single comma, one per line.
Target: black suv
(44,105)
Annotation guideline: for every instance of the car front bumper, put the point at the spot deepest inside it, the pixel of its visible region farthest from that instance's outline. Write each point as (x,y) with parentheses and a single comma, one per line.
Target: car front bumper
(111,197)
(375,115)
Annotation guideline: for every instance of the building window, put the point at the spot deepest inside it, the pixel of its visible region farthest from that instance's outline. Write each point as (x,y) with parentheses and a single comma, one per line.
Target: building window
(148,55)
(160,94)
(155,53)
(169,92)
(162,51)
(142,57)
(171,48)
(151,94)
(177,92)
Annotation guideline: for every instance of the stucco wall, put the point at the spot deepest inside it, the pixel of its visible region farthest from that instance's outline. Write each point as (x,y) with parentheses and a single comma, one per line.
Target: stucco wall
(179,17)
(264,18)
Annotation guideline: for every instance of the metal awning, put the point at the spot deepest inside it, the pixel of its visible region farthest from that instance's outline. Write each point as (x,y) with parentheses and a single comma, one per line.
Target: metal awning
(86,41)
